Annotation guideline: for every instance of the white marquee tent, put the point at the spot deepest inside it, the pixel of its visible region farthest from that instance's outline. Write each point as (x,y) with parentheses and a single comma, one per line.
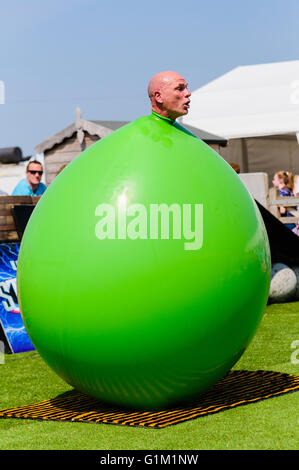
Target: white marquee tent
(256,108)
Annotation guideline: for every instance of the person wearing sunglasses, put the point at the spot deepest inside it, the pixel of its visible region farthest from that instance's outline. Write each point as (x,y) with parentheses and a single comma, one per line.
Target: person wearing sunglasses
(31,185)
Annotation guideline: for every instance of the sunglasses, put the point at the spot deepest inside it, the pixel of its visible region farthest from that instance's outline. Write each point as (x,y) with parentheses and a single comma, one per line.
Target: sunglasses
(33,172)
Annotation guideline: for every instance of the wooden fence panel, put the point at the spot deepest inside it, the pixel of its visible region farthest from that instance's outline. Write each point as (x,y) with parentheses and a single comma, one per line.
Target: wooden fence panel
(8,229)
(291,203)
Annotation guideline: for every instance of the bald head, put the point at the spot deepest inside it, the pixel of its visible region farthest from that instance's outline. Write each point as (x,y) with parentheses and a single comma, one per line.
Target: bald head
(169,94)
(161,80)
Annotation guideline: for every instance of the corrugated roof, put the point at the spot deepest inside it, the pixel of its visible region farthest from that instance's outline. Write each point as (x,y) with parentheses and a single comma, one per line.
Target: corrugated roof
(113,125)
(203,135)
(103,128)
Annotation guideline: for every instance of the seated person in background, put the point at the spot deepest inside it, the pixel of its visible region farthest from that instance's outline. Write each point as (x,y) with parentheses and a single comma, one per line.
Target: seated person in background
(296,185)
(283,181)
(235,167)
(31,185)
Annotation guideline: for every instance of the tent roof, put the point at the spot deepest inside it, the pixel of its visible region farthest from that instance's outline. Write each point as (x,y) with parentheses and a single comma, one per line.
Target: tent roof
(248,101)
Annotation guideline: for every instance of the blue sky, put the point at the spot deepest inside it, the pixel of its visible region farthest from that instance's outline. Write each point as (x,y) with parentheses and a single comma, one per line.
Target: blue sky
(99,55)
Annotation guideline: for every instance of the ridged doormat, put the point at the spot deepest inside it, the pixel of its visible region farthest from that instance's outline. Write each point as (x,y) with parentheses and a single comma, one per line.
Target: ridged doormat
(238,387)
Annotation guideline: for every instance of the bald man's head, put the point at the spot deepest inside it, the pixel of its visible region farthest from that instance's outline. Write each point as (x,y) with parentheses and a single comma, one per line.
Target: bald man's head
(169,94)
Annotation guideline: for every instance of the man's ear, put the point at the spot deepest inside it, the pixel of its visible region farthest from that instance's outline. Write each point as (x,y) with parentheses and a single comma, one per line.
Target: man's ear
(158,97)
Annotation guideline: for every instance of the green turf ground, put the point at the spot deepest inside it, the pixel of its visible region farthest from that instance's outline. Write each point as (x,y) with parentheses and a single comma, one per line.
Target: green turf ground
(269,424)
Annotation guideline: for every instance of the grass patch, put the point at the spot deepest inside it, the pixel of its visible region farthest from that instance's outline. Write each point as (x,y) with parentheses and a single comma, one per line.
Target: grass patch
(269,424)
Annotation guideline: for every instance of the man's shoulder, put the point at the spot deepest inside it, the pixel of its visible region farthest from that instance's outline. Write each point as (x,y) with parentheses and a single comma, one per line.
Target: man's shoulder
(22,188)
(183,129)
(41,188)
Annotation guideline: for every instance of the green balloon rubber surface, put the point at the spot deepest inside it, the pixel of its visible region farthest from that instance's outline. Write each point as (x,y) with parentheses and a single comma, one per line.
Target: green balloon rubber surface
(144,270)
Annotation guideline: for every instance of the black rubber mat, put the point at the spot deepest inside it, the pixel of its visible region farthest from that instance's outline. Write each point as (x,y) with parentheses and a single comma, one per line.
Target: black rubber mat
(237,388)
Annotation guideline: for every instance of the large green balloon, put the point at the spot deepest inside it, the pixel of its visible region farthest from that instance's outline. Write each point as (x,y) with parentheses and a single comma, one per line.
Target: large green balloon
(144,270)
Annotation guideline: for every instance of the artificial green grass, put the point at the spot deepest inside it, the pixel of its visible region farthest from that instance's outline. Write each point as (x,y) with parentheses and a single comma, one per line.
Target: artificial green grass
(270,424)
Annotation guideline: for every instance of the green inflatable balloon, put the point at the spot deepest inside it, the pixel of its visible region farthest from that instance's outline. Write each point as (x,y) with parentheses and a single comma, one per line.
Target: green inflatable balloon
(144,270)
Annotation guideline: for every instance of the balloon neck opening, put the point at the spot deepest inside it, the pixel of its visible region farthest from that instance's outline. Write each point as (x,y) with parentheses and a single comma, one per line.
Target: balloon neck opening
(171,121)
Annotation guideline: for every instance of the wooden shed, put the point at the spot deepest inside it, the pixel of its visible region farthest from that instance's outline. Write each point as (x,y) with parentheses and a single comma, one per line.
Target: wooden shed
(63,147)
